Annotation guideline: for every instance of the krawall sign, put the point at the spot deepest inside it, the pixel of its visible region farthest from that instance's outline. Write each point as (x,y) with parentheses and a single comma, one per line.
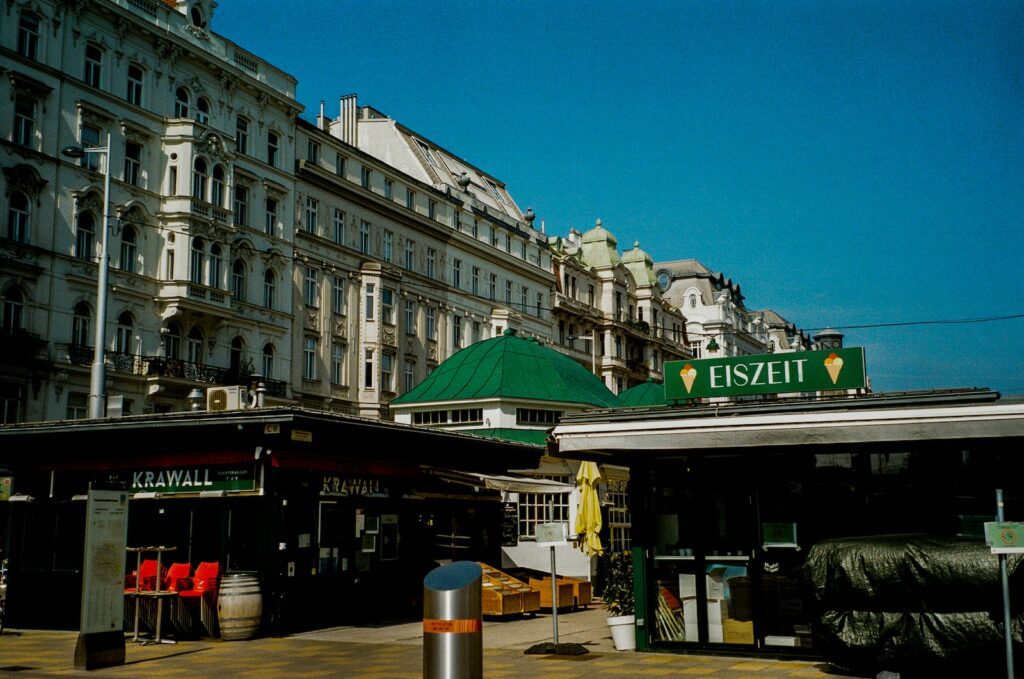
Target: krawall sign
(340,486)
(182,479)
(824,370)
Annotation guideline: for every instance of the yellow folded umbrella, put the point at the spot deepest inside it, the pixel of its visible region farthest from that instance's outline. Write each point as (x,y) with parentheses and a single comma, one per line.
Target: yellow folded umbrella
(588,516)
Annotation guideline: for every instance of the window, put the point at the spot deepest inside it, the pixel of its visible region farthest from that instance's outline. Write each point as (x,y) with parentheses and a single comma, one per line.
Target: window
(508,293)
(132,163)
(90,138)
(242,135)
(494,236)
(181,100)
(123,338)
(238,280)
(410,254)
(368,369)
(387,304)
(339,165)
(270,221)
(128,249)
(80,325)
(272,148)
(432,209)
(339,227)
(13,311)
(522,249)
(524,297)
(172,180)
(369,301)
(312,214)
(28,35)
(309,358)
(235,356)
(431,324)
(338,296)
(386,372)
(194,346)
(508,243)
(133,91)
(388,237)
(217,186)
(172,340)
(476,332)
(410,199)
(337,363)
(215,262)
(618,346)
(196,260)
(457,273)
(476,228)
(619,519)
(24,120)
(312,152)
(170,264)
(410,317)
(540,305)
(77,406)
(269,286)
(199,170)
(93,64)
(537,508)
(532,416)
(364,177)
(310,292)
(493,287)
(431,257)
(456,220)
(389,188)
(85,232)
(409,377)
(475,281)
(268,361)
(590,294)
(467,416)
(364,237)
(457,332)
(430,416)
(203,110)
(18,214)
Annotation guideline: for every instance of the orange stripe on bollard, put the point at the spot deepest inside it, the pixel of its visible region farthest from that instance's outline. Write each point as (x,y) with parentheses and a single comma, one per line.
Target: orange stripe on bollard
(450,626)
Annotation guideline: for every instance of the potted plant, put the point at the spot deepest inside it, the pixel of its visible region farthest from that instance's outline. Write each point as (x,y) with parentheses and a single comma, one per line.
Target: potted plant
(618,599)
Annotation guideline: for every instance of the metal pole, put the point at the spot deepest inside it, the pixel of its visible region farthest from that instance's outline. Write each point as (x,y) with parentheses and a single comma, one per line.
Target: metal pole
(593,351)
(1007,625)
(98,377)
(554,582)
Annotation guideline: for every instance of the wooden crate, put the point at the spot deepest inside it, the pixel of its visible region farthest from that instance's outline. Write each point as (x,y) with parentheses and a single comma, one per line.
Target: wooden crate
(495,601)
(543,587)
(504,595)
(582,591)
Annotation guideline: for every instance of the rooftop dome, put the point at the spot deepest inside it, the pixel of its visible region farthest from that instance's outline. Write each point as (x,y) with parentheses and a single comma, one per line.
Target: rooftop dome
(511,367)
(649,393)
(599,246)
(640,265)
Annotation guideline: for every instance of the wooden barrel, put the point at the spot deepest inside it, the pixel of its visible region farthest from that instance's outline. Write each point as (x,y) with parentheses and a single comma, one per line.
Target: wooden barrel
(239,605)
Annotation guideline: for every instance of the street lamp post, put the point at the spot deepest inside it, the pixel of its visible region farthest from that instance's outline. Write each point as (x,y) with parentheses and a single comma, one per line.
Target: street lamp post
(593,348)
(98,376)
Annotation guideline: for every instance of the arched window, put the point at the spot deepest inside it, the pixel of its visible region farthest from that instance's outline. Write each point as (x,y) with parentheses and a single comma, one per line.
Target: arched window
(237,349)
(203,110)
(80,325)
(128,250)
(197,18)
(194,345)
(133,93)
(28,35)
(238,280)
(269,283)
(123,339)
(268,361)
(85,236)
(18,213)
(172,340)
(14,310)
(217,185)
(199,174)
(181,100)
(215,262)
(93,64)
(195,264)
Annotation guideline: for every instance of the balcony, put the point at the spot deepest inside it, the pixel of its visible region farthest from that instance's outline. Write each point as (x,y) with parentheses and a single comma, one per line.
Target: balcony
(18,346)
(194,295)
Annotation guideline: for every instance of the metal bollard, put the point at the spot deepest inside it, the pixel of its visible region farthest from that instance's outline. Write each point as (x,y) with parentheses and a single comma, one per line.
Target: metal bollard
(452,622)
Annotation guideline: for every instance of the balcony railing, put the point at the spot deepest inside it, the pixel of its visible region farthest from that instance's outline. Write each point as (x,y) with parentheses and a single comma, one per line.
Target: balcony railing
(18,345)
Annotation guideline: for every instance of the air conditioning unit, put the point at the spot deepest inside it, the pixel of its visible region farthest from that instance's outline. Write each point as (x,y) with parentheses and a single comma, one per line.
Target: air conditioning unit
(227,398)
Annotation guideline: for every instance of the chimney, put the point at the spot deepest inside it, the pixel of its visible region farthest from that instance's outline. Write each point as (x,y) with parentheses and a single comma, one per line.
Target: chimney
(321,120)
(349,114)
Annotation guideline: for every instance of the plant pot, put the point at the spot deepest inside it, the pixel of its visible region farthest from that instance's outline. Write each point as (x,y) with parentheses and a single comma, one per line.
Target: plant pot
(623,630)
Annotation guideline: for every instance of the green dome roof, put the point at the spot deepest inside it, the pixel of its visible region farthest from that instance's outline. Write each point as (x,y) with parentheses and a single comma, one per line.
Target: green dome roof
(647,394)
(511,367)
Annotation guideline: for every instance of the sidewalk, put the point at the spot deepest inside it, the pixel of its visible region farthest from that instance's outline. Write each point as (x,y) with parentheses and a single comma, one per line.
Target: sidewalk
(386,652)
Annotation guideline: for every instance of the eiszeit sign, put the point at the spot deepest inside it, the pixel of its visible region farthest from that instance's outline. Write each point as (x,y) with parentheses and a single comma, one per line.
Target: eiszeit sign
(765,374)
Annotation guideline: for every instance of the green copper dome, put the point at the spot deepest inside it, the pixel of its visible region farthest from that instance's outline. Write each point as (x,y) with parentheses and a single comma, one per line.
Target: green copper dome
(647,394)
(511,367)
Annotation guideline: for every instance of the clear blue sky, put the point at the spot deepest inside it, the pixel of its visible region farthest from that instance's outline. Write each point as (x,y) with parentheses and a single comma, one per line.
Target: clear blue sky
(846,162)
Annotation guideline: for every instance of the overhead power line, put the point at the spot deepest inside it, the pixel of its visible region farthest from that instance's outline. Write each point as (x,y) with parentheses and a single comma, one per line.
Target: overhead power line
(899,324)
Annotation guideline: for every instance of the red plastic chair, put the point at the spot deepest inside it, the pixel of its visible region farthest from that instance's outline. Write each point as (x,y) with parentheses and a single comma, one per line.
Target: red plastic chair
(205,580)
(177,577)
(145,577)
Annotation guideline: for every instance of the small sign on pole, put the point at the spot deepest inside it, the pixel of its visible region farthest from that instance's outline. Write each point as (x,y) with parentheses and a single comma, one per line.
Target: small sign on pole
(1005,537)
(552,534)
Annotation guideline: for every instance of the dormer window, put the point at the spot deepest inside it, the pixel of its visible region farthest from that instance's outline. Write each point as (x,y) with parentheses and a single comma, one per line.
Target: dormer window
(197,17)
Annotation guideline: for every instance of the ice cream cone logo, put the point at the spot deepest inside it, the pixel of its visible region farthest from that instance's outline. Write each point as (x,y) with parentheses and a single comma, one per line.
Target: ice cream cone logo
(834,365)
(689,374)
